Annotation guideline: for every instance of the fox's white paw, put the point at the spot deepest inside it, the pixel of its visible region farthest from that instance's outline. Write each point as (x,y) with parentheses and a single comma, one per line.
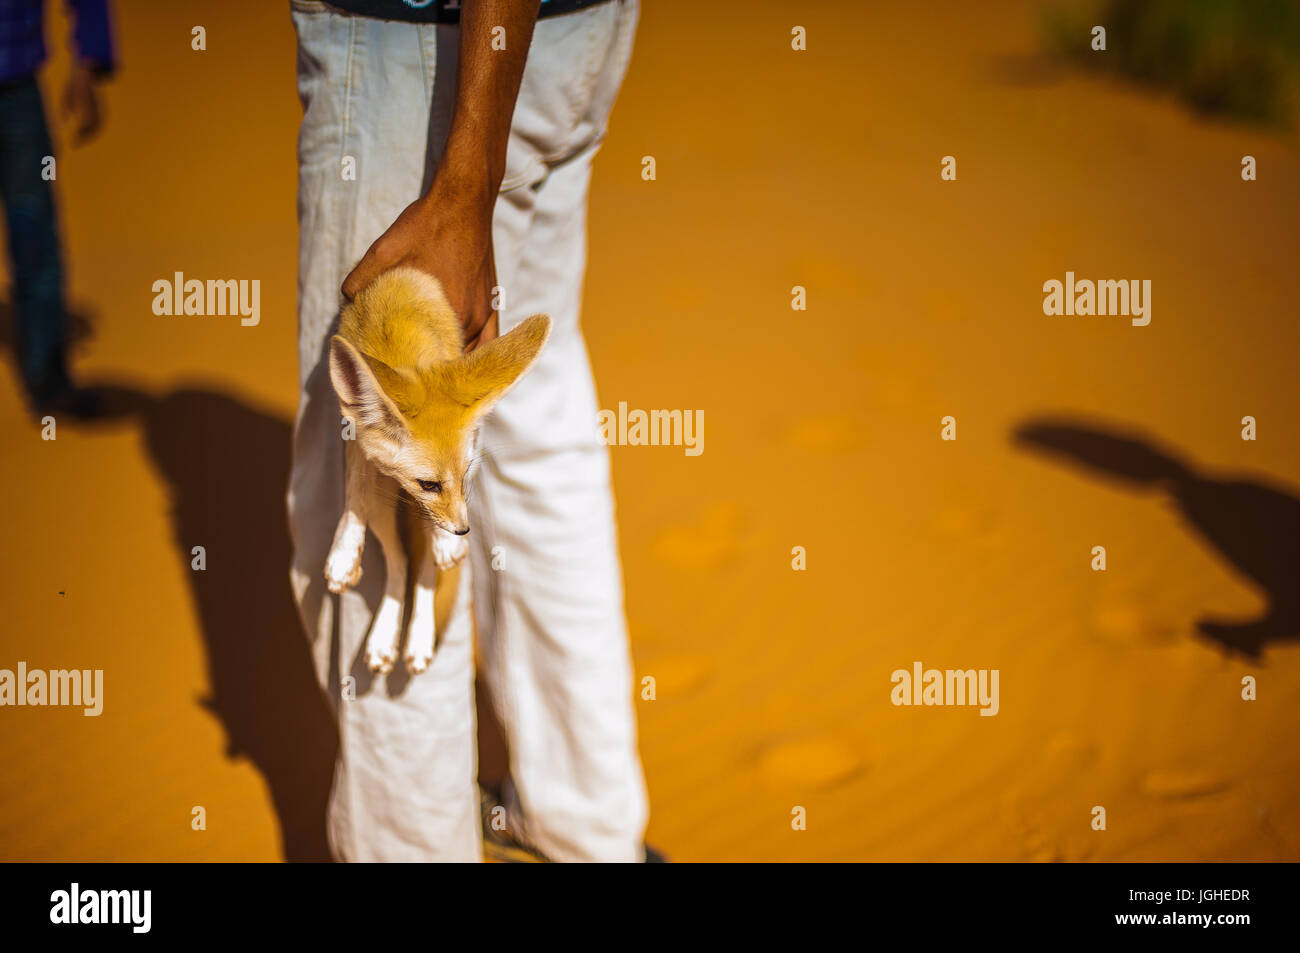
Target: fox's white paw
(418,659)
(381,646)
(342,570)
(379,661)
(448,549)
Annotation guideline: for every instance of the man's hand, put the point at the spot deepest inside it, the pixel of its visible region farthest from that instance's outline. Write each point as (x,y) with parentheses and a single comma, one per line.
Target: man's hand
(448,231)
(451,239)
(81,104)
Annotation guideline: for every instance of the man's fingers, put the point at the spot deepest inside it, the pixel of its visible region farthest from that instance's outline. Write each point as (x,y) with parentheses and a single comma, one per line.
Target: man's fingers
(87,126)
(382,254)
(367,270)
(489,330)
(352,283)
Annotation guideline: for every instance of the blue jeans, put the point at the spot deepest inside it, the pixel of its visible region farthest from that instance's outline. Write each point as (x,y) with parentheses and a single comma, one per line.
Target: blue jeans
(33,237)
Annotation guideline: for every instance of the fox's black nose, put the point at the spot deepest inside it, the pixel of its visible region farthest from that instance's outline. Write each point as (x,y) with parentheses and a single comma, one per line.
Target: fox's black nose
(462,532)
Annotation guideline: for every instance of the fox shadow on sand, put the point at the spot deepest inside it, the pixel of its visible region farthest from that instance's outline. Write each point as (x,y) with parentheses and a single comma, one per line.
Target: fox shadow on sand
(1251,523)
(225,464)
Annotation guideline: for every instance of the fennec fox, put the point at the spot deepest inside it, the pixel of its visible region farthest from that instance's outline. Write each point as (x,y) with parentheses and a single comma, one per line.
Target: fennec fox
(415,401)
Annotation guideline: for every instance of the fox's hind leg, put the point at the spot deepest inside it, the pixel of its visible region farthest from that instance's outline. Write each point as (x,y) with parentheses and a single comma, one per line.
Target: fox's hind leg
(420,636)
(434,595)
(343,565)
(386,630)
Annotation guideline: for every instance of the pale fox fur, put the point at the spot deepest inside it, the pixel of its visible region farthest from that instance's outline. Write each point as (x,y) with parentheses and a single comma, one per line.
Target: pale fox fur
(415,401)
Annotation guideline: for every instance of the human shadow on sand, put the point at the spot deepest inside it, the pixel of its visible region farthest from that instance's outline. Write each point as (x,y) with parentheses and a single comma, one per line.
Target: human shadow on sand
(226,466)
(1252,523)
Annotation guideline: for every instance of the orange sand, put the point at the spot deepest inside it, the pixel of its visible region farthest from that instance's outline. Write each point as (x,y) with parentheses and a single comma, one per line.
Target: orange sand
(821,430)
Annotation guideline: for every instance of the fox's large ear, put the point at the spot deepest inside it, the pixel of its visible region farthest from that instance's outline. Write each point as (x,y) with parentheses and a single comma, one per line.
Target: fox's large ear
(482,377)
(358,388)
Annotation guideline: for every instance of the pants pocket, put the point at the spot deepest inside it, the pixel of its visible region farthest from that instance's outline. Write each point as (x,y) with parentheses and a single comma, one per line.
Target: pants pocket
(566,64)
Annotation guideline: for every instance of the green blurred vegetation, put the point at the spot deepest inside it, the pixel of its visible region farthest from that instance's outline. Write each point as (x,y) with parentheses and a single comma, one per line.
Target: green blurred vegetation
(1239,58)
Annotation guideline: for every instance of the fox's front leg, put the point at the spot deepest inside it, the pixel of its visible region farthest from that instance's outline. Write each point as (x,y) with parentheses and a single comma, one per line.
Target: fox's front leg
(343,565)
(448,548)
(385,631)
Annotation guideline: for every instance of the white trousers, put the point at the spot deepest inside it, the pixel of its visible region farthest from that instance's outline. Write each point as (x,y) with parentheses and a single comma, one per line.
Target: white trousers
(544,570)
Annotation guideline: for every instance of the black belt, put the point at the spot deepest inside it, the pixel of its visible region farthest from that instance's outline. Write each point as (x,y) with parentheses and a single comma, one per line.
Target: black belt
(441,11)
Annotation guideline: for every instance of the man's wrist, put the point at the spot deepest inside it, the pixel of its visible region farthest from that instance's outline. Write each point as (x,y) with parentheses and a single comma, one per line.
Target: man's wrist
(472,191)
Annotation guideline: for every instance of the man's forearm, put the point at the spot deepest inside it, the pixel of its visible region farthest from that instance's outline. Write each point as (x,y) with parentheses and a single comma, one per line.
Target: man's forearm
(447,232)
(490,70)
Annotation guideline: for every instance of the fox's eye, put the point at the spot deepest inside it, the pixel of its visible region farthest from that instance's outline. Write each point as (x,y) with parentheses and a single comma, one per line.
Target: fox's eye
(430,486)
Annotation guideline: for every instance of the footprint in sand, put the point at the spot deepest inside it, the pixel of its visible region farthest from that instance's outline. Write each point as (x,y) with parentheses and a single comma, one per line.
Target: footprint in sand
(1131,622)
(1040,837)
(676,676)
(1069,754)
(1176,783)
(1026,827)
(826,434)
(1040,849)
(972,522)
(1070,851)
(714,542)
(815,762)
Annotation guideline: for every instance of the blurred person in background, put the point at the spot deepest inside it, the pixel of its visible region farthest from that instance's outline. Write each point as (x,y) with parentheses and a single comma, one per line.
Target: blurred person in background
(27,174)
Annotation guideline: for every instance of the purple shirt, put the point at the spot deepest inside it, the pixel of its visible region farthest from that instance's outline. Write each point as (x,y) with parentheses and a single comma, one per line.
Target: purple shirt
(22,36)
